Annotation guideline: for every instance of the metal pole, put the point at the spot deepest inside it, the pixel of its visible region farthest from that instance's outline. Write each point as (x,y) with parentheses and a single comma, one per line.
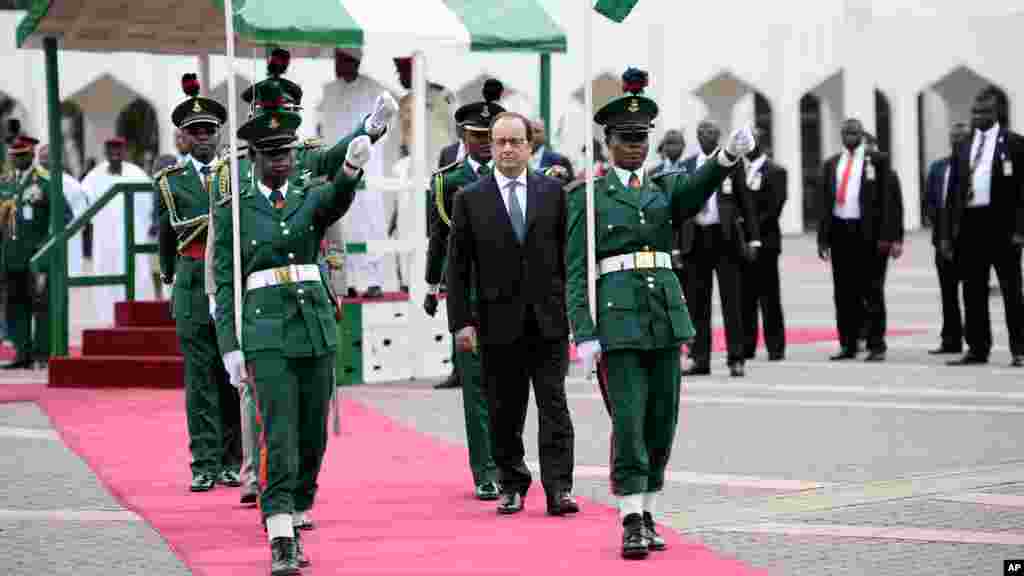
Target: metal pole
(545,94)
(419,183)
(588,138)
(58,269)
(229,31)
(129,244)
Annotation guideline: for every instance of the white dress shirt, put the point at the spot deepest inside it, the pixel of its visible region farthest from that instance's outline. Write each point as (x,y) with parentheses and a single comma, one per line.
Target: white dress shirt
(981,177)
(267,191)
(503,182)
(708,215)
(199,170)
(850,209)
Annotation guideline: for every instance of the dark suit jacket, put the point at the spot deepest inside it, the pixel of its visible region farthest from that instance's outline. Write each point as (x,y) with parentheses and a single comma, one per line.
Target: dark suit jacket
(933,194)
(736,211)
(1007,198)
(449,154)
(769,201)
(509,276)
(552,158)
(877,206)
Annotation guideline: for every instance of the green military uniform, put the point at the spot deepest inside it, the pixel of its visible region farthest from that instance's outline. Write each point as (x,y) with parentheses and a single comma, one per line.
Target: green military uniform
(211,403)
(289,329)
(446,183)
(25,216)
(642,318)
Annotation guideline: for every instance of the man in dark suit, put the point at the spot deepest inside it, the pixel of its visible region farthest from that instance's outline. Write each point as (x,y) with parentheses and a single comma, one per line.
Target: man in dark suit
(509,228)
(716,241)
(450,154)
(856,230)
(983,227)
(766,182)
(951,338)
(543,157)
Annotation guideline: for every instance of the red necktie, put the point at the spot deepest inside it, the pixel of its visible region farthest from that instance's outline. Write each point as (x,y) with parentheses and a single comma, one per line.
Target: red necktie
(634,180)
(277,198)
(841,195)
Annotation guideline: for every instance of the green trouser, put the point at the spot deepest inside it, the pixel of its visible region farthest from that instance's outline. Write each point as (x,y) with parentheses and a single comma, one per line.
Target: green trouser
(211,403)
(293,396)
(474,408)
(41,312)
(643,389)
(250,470)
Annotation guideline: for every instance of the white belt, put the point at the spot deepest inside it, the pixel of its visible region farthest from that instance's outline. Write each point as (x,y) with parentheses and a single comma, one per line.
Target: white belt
(635,261)
(283,275)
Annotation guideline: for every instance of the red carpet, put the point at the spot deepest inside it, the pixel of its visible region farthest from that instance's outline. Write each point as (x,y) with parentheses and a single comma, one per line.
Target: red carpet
(392,501)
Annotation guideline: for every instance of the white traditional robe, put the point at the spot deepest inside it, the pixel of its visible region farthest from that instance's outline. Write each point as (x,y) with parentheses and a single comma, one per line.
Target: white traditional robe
(77,198)
(108,249)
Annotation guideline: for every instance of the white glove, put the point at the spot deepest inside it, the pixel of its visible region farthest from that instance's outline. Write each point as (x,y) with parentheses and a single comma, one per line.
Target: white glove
(358,153)
(213,307)
(741,142)
(234,363)
(384,109)
(589,353)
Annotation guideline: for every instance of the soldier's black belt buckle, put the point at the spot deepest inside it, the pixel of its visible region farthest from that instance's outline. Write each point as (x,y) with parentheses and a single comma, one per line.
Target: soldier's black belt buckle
(643,260)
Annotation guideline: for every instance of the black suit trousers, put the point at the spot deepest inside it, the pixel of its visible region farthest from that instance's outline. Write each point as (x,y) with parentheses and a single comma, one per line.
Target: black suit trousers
(858,281)
(712,254)
(508,370)
(761,290)
(979,250)
(952,318)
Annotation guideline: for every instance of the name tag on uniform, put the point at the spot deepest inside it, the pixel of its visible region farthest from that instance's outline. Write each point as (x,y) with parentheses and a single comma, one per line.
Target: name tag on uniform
(26,211)
(869,172)
(727,186)
(1007,167)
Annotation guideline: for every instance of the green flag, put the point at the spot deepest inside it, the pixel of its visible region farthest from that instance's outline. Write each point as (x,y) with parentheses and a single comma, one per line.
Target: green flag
(616,10)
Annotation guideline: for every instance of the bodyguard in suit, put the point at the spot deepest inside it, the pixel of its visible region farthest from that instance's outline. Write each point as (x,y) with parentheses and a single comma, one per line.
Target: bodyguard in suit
(289,328)
(546,160)
(983,228)
(642,318)
(508,243)
(951,337)
(856,231)
(717,241)
(766,182)
(475,121)
(211,403)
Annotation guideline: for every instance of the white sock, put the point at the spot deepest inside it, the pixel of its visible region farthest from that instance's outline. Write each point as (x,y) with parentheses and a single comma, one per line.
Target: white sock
(631,504)
(650,499)
(280,526)
(298,518)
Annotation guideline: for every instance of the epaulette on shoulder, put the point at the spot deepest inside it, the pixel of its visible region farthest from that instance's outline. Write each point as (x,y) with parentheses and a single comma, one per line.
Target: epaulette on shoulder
(42,172)
(444,169)
(170,170)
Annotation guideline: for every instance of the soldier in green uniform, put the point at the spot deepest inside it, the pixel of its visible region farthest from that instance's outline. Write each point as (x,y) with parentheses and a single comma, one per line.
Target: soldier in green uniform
(314,164)
(641,317)
(211,403)
(289,330)
(25,219)
(475,121)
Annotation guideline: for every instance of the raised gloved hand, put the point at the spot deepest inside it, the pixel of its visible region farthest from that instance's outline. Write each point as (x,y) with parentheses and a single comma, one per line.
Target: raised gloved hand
(589,353)
(358,153)
(384,109)
(741,142)
(213,306)
(234,363)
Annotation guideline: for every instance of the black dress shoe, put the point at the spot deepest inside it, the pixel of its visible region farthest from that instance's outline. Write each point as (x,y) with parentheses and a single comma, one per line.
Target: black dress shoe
(945,350)
(875,356)
(373,292)
(511,502)
(736,370)
(634,543)
(351,293)
(284,560)
(249,495)
(23,363)
(1018,361)
(300,552)
(654,540)
(563,503)
(969,359)
(843,354)
(202,482)
(229,478)
(487,491)
(452,381)
(749,355)
(776,356)
(697,370)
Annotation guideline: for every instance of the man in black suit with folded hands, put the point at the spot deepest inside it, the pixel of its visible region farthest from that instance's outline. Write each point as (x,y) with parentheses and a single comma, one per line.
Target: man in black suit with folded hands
(509,229)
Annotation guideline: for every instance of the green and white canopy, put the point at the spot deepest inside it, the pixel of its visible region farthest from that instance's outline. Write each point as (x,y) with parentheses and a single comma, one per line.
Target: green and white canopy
(197,26)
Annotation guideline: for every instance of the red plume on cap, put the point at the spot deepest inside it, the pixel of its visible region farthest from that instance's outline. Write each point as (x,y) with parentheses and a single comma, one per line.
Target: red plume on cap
(634,81)
(278,62)
(190,85)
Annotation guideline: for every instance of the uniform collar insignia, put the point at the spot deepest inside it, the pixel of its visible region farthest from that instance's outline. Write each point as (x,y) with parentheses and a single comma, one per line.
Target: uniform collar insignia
(634,106)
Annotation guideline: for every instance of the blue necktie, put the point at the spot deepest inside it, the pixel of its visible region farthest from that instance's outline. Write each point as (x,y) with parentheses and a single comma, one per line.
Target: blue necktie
(515,211)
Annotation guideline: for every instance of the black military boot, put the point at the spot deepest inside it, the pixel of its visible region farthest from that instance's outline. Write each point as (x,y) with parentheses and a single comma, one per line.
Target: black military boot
(654,540)
(634,544)
(300,552)
(283,559)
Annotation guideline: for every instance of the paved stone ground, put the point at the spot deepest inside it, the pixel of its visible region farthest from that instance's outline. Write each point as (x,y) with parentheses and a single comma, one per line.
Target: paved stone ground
(803,467)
